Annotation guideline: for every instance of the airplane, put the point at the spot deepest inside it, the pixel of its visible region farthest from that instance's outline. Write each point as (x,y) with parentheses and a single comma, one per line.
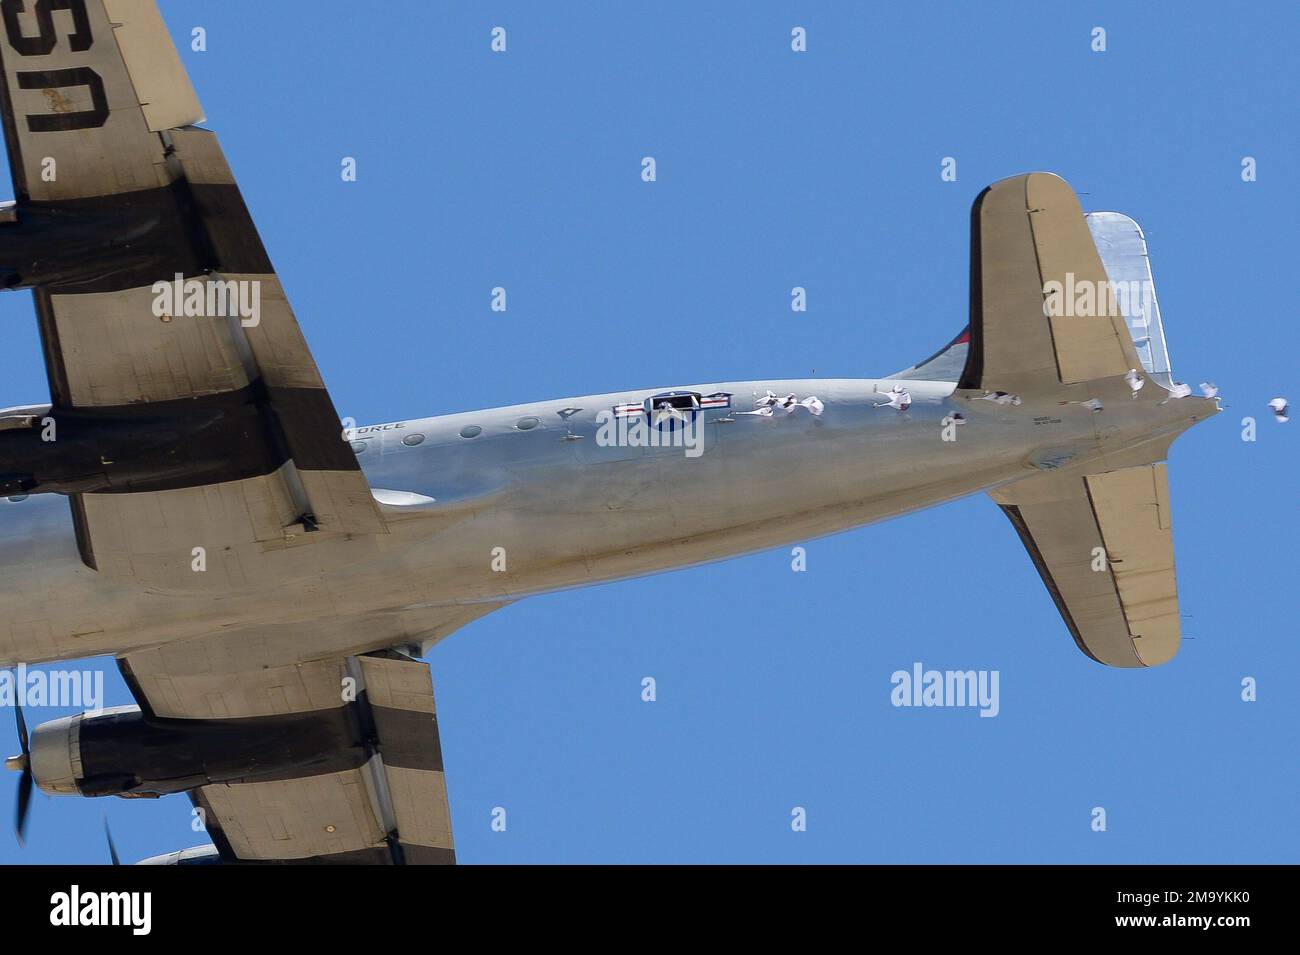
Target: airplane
(189,502)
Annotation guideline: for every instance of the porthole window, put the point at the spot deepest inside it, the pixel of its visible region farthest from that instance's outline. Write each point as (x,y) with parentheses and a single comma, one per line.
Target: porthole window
(470,431)
(358,446)
(527,424)
(411,440)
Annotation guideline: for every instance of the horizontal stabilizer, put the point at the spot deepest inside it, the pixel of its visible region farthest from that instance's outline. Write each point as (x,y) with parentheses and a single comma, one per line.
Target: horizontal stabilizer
(1123,250)
(1103,544)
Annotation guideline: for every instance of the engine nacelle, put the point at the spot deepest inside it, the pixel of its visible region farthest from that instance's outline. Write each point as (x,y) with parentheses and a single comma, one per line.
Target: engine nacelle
(121,751)
(199,855)
(56,750)
(154,447)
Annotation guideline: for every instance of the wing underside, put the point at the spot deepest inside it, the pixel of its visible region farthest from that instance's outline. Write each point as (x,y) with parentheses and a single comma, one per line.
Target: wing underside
(374,792)
(163,323)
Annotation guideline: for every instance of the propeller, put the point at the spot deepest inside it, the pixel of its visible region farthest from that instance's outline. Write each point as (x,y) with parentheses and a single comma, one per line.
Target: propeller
(112,849)
(23,764)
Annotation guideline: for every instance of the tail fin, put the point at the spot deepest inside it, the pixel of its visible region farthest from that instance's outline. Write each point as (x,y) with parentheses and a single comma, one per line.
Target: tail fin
(1029,236)
(1031,249)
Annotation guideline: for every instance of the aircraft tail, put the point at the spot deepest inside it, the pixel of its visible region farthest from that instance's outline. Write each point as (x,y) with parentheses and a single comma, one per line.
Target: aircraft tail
(1056,297)
(1060,300)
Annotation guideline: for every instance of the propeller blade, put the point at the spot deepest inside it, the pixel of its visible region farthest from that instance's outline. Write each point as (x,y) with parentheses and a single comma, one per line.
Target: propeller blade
(22,728)
(24,802)
(25,780)
(112,849)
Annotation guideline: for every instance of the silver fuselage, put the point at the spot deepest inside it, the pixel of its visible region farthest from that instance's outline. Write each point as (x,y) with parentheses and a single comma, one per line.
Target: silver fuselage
(478,521)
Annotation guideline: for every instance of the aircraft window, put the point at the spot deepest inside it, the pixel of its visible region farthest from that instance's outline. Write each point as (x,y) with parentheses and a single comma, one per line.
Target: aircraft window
(18,497)
(527,424)
(411,440)
(358,446)
(470,431)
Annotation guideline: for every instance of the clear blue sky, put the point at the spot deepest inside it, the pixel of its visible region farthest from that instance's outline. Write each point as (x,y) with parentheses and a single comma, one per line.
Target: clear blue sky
(778,169)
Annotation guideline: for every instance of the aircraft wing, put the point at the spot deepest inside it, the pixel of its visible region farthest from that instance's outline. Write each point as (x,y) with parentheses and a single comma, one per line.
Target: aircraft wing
(238,445)
(1103,544)
(359,774)
(1026,233)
